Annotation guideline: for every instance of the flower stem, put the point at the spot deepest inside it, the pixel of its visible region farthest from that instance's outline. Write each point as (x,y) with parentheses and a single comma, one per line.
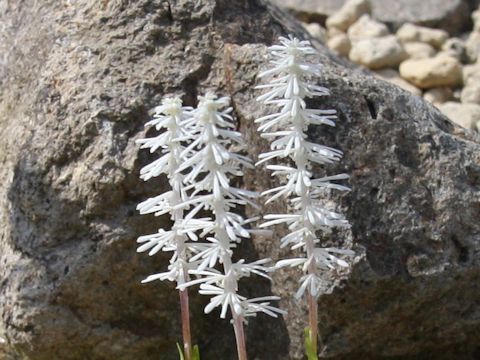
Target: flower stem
(313,320)
(185,311)
(240,337)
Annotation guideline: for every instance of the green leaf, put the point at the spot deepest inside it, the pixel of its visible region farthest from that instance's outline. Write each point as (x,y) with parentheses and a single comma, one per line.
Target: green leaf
(196,353)
(310,349)
(180,352)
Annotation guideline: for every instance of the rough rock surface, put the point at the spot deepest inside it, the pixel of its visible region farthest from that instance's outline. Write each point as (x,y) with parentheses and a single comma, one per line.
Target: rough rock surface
(76,86)
(442,70)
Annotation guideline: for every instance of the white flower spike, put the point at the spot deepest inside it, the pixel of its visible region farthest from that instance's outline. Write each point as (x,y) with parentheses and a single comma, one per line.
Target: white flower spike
(291,82)
(176,123)
(212,165)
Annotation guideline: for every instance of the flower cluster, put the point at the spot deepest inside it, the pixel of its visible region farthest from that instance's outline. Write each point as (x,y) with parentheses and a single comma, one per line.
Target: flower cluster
(196,155)
(175,122)
(195,158)
(290,85)
(210,166)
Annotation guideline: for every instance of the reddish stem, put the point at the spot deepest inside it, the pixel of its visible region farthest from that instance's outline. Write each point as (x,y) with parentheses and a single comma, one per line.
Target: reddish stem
(185,311)
(240,337)
(313,320)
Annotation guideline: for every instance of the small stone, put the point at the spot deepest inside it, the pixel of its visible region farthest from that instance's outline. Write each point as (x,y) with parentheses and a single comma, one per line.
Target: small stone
(378,53)
(411,32)
(473,46)
(456,48)
(316,31)
(393,77)
(366,28)
(471,92)
(419,50)
(476,20)
(348,14)
(331,32)
(457,95)
(471,72)
(465,115)
(438,95)
(340,44)
(433,72)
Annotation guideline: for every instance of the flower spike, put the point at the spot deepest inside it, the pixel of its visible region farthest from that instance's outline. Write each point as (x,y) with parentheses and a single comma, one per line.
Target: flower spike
(290,85)
(175,121)
(291,157)
(212,165)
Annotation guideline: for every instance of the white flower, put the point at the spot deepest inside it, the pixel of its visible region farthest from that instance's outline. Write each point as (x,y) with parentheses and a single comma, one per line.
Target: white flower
(291,82)
(210,166)
(261,304)
(224,289)
(176,122)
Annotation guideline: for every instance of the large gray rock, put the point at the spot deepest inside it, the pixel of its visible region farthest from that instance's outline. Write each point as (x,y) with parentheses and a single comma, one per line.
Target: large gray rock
(77,83)
(311,10)
(450,15)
